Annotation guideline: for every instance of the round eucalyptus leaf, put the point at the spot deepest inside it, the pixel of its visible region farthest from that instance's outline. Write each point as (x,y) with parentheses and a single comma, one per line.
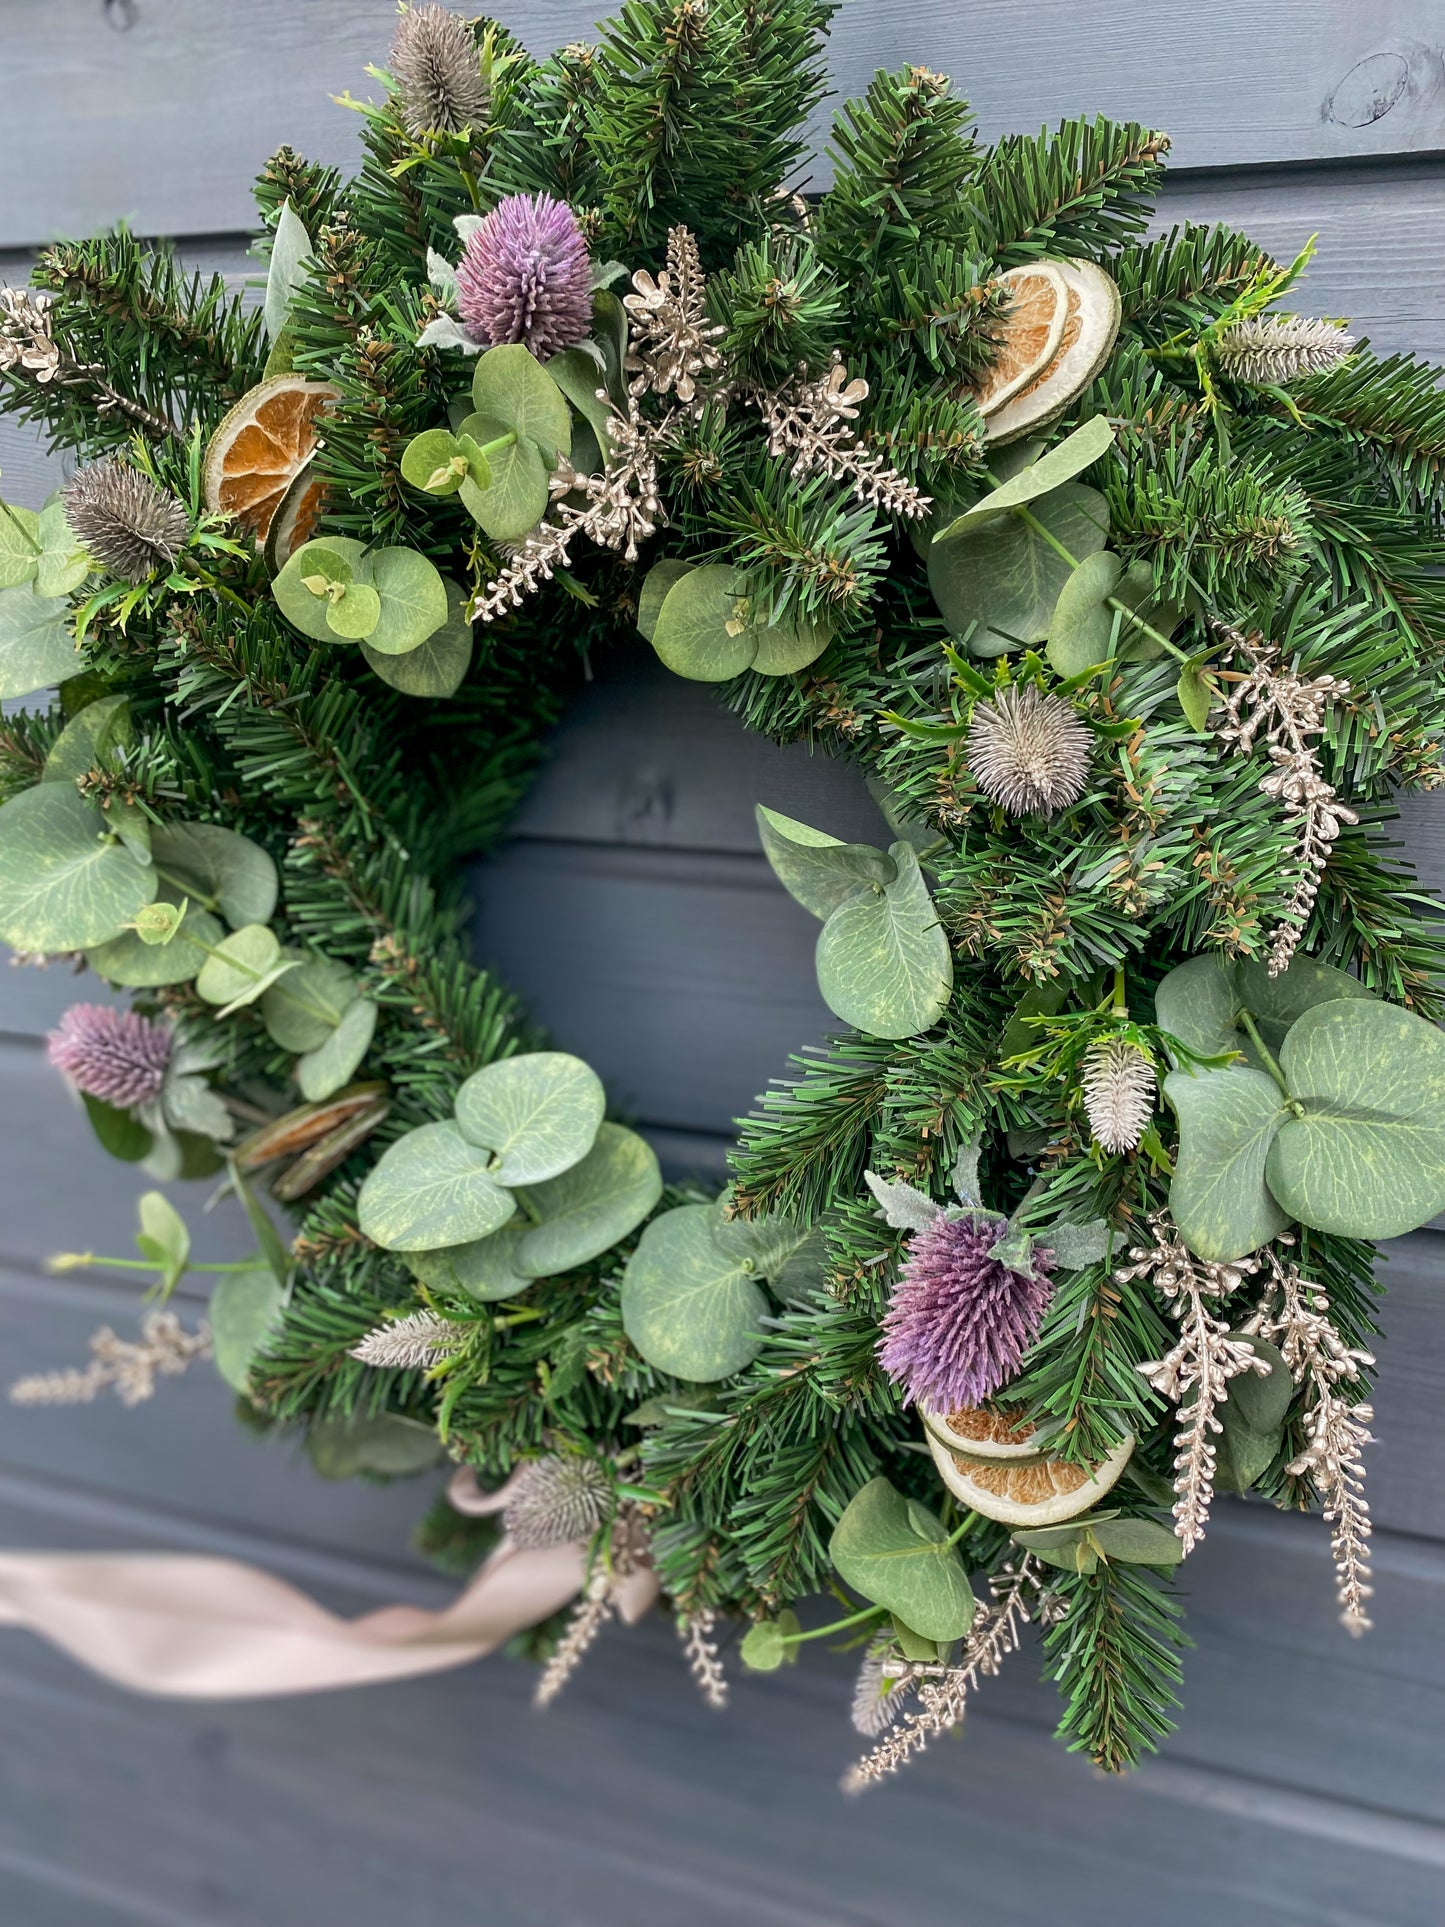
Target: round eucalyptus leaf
(303,1009)
(324,1071)
(783,648)
(62,564)
(518,496)
(88,740)
(764,1647)
(387,1446)
(998,583)
(1138,1542)
(431,1188)
(244,1309)
(690,1306)
(884,965)
(355,613)
(136,965)
(538,1113)
(1081,632)
(438,666)
(702,631)
(1262,1400)
(413,601)
(19,546)
(241,968)
(1136,590)
(1242,1454)
(426,462)
(65,883)
(1218,1197)
(893,1550)
(37,643)
(1367,1159)
(486,1268)
(510,386)
(815,869)
(587,1209)
(577,373)
(661,577)
(302,607)
(1200,1001)
(220,868)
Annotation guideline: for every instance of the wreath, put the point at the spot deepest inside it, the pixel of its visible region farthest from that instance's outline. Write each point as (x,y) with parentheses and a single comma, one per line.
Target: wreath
(1118,580)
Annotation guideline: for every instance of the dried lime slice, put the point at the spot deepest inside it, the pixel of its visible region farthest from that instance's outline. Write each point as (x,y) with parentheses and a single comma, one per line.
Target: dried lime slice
(1027,1492)
(1090,328)
(1032,329)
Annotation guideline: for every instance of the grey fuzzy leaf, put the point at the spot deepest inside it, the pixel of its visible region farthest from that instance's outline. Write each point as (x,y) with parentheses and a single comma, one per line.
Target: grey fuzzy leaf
(1077,1245)
(903,1207)
(442,275)
(445,331)
(965,1173)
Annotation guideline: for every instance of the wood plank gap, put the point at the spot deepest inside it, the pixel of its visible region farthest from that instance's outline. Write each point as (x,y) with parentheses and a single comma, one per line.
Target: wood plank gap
(53,1878)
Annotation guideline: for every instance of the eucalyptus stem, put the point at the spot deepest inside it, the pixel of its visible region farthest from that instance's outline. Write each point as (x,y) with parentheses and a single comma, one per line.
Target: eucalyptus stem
(1270,1063)
(837,1626)
(1027,516)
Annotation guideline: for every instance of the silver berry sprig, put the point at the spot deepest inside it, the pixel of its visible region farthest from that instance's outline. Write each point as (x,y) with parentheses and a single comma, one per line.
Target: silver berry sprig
(810,426)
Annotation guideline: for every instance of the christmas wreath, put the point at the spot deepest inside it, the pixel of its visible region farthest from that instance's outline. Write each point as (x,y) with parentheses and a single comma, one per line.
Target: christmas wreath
(1121,583)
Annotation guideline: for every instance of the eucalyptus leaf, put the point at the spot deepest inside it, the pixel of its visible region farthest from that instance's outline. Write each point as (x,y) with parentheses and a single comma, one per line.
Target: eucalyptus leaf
(894,1551)
(387,1446)
(815,869)
(512,387)
(332,1065)
(355,613)
(1200,1001)
(1367,1158)
(1243,1454)
(1060,464)
(783,648)
(89,740)
(303,1009)
(245,1308)
(913,1645)
(19,546)
(62,564)
(1081,630)
(431,1188)
(661,577)
(241,968)
(65,882)
(770,1643)
(1039,1000)
(539,1113)
(1196,695)
(190,1104)
(998,583)
(1262,1400)
(438,666)
(136,965)
(692,1308)
(702,630)
(772,1246)
(1136,590)
(486,1267)
(37,643)
(884,964)
(902,1206)
(286,271)
(1218,1198)
(302,607)
(163,1239)
(1068,1547)
(413,601)
(579,375)
(517,497)
(587,1209)
(1138,1542)
(220,868)
(433,462)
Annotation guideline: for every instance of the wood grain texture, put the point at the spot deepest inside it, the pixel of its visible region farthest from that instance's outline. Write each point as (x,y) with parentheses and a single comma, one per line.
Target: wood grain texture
(170,107)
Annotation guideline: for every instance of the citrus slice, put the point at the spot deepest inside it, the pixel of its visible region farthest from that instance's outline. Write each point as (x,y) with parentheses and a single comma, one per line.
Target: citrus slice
(989,1434)
(1032,329)
(295,520)
(1028,1492)
(1091,325)
(260,447)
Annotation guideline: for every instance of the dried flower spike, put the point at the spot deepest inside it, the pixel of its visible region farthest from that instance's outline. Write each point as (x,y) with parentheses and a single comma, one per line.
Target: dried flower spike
(130,526)
(671,339)
(699,1645)
(525,276)
(1028,751)
(438,73)
(882,1691)
(558,1500)
(411,1344)
(1118,1083)
(960,1319)
(115,1055)
(1267,351)
(131,1367)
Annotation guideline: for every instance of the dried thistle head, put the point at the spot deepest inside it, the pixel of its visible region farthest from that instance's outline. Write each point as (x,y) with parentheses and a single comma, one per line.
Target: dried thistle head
(557,1500)
(1118,1084)
(525,275)
(1028,751)
(129,524)
(438,72)
(115,1055)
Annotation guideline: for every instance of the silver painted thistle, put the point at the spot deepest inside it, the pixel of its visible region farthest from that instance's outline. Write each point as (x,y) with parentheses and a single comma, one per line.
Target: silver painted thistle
(1028,751)
(438,73)
(129,524)
(557,1500)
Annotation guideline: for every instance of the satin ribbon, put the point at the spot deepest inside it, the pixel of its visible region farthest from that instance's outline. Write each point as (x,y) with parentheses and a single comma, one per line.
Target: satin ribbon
(191,1627)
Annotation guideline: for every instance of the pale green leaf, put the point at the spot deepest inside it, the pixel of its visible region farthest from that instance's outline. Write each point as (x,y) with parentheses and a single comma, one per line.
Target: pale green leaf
(661,577)
(518,495)
(783,648)
(242,967)
(690,1306)
(19,546)
(512,387)
(438,666)
(302,607)
(245,1308)
(89,741)
(413,601)
(331,1065)
(286,271)
(387,1446)
(1138,1542)
(702,629)
(486,1268)
(1081,630)
(884,965)
(428,462)
(1195,693)
(303,1009)
(163,1239)
(62,564)
(1200,1002)
(223,870)
(1059,465)
(129,961)
(586,1210)
(817,870)
(1218,1197)
(37,643)
(893,1550)
(354,614)
(539,1113)
(431,1188)
(998,584)
(65,882)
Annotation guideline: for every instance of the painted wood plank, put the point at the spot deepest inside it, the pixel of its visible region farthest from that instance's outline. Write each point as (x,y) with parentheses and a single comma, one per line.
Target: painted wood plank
(395,1802)
(162,111)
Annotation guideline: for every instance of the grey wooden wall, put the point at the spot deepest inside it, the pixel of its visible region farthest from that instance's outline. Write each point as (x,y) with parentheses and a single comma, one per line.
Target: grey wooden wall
(1307,1786)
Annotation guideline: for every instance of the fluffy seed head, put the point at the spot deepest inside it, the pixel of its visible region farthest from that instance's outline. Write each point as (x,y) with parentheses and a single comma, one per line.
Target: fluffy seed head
(437,72)
(960,1320)
(115,1055)
(525,276)
(558,1499)
(878,1701)
(1269,350)
(1118,1082)
(411,1344)
(1028,751)
(128,524)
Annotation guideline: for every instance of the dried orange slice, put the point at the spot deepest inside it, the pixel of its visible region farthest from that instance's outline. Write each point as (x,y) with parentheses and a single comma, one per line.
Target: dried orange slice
(1091,326)
(992,1434)
(1033,327)
(295,520)
(260,448)
(1030,1491)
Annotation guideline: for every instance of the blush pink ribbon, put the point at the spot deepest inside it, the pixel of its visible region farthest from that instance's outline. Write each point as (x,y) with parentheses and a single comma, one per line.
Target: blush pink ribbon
(193,1627)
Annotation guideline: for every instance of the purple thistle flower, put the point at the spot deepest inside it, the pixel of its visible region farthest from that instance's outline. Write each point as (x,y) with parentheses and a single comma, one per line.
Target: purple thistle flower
(960,1321)
(111,1054)
(525,276)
